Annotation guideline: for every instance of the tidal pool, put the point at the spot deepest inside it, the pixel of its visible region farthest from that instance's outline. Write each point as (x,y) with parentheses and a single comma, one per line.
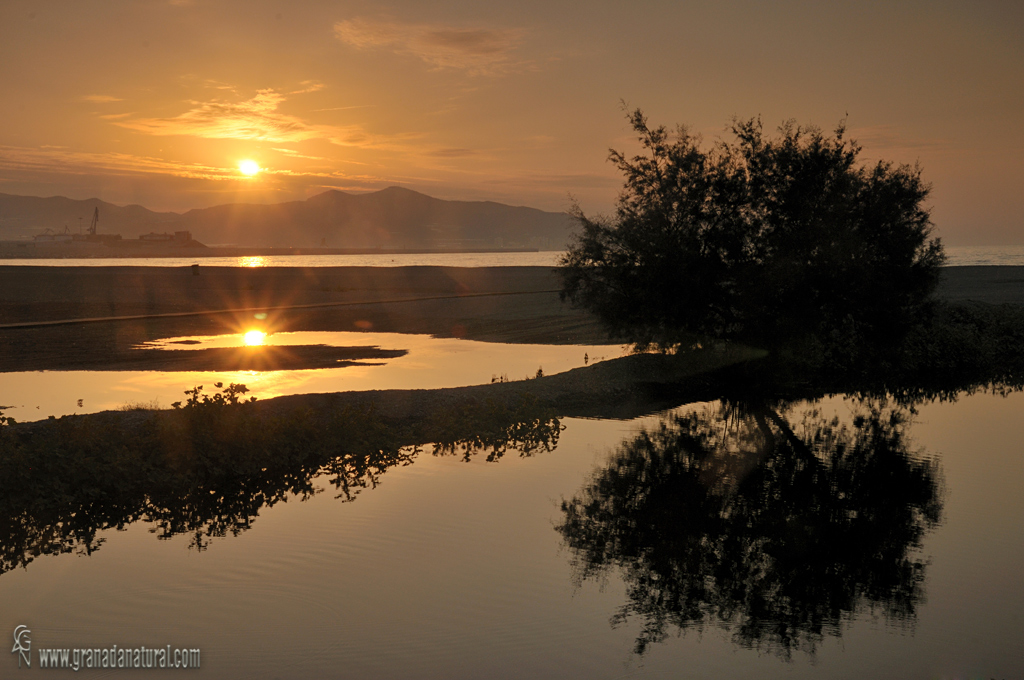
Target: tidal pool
(428,363)
(842,538)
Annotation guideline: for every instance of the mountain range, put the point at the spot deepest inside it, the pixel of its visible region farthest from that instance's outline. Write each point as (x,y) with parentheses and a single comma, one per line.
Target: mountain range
(391,218)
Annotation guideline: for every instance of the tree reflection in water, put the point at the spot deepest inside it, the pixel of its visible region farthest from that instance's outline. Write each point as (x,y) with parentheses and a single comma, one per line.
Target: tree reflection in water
(774,522)
(731,516)
(207,470)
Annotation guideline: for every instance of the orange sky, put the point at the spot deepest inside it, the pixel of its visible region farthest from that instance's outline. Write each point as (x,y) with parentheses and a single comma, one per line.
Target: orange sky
(157,101)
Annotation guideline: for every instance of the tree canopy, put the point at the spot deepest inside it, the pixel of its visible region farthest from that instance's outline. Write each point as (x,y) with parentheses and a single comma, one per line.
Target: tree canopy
(765,239)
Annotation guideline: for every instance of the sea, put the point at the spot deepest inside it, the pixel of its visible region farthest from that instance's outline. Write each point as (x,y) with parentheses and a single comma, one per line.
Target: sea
(956,256)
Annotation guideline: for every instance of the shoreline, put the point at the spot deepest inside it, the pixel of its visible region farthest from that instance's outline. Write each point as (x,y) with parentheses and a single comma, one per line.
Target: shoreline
(622,389)
(450,302)
(28,250)
(445,302)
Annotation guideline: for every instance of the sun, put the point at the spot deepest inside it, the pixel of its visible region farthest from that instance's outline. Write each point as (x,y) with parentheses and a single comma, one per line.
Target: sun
(248,168)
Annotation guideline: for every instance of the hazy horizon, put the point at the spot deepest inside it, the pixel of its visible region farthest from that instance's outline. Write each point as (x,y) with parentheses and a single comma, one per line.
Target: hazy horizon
(158,103)
(269,200)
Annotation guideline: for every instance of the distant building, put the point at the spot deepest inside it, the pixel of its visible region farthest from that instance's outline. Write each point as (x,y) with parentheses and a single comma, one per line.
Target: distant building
(178,237)
(52,238)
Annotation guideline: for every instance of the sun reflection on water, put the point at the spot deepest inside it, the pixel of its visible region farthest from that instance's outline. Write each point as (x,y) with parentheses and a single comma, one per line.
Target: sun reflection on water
(255,338)
(252,261)
(431,363)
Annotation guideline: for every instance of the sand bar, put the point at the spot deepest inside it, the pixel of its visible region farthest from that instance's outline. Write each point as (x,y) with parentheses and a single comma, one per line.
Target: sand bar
(314,299)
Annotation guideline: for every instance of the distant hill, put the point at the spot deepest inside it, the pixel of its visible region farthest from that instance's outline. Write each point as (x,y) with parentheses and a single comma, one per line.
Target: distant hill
(26,216)
(391,218)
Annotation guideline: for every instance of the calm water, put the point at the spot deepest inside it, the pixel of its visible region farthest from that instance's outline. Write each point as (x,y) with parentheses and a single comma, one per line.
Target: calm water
(984,255)
(545,566)
(536,259)
(430,363)
(957,256)
(840,538)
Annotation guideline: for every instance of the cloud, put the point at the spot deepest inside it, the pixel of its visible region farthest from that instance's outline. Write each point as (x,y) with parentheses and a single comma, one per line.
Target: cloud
(255,119)
(451,153)
(59,159)
(43,161)
(309,86)
(100,99)
(559,181)
(295,154)
(889,138)
(479,51)
(346,108)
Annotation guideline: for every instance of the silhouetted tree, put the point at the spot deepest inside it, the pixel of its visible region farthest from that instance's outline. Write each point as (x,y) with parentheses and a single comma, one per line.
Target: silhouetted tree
(763,239)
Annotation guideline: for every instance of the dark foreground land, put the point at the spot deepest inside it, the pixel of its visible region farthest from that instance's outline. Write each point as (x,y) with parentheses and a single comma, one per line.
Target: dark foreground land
(462,307)
(527,309)
(992,285)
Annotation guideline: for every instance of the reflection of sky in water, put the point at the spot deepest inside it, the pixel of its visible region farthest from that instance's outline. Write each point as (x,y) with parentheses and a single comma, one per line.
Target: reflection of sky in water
(255,338)
(452,569)
(513,259)
(430,363)
(957,255)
